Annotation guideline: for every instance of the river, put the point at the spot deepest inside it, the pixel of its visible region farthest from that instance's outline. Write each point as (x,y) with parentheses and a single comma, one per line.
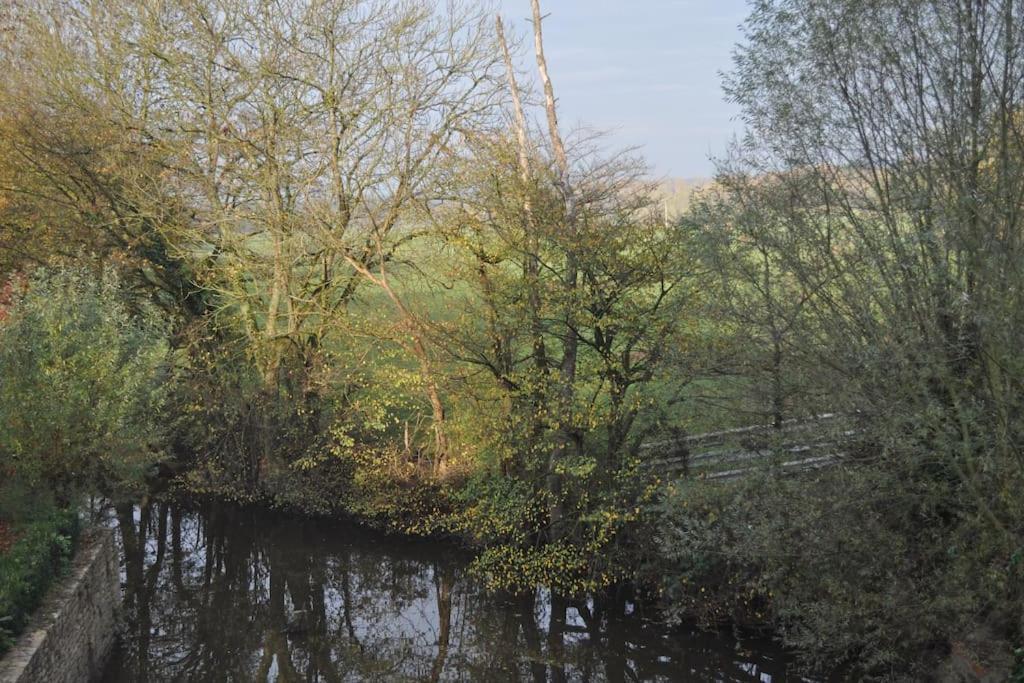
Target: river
(220,593)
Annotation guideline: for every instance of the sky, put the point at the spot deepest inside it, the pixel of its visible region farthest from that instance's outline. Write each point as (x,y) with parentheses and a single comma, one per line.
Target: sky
(647,71)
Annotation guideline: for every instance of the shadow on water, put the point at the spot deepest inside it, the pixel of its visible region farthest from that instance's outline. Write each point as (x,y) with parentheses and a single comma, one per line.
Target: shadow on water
(217,593)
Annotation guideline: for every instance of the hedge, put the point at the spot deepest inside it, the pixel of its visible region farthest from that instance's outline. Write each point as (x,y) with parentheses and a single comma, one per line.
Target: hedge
(41,553)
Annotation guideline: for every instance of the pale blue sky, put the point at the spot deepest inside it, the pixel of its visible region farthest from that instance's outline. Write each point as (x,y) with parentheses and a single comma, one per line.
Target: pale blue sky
(648,70)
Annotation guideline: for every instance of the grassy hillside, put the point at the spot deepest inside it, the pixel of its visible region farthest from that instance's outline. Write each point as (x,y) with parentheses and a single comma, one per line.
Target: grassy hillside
(677,192)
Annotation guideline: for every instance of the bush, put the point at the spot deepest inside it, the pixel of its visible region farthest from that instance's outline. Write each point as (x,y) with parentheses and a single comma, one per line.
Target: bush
(40,554)
(858,567)
(82,381)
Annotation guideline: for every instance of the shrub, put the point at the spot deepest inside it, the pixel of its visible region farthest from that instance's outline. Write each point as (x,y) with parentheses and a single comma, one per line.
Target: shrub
(855,566)
(39,555)
(82,375)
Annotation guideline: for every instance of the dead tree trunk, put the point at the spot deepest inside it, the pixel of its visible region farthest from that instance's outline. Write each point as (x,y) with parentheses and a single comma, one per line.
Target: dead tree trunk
(568,439)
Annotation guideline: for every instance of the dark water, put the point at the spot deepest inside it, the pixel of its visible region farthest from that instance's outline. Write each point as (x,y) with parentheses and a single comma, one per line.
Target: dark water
(216,593)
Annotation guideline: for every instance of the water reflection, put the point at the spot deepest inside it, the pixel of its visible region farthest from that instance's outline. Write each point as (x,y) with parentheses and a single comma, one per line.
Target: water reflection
(217,593)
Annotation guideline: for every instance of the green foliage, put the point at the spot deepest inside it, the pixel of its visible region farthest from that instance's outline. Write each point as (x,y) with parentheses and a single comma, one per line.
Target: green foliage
(759,304)
(441,331)
(839,564)
(508,519)
(395,495)
(500,510)
(83,369)
(39,555)
(866,235)
(567,351)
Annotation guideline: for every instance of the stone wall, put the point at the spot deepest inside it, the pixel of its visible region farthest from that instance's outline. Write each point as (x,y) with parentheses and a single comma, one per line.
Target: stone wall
(75,629)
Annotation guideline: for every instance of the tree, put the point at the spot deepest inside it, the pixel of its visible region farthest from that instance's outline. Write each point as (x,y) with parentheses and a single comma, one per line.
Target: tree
(279,150)
(897,129)
(71,181)
(734,227)
(83,378)
(884,146)
(570,285)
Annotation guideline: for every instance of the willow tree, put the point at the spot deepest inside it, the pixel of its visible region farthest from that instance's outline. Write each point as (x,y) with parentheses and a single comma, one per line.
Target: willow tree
(895,131)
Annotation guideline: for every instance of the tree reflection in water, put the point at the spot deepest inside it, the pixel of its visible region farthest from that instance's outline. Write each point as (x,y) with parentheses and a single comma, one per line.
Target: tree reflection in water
(217,593)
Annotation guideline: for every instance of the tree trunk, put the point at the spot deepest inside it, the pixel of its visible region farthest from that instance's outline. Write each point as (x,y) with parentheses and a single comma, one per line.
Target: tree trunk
(532,265)
(568,441)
